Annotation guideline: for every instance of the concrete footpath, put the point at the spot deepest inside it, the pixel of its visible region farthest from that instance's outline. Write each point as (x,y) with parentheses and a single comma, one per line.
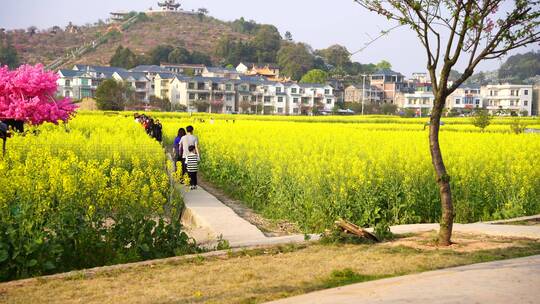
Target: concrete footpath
(510,281)
(208,220)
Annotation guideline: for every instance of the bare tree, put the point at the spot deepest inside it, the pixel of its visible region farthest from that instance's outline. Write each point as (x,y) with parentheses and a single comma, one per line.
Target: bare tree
(454,30)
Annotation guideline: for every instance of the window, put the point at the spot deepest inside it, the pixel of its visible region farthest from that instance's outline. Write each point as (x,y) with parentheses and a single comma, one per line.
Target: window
(280,99)
(280,110)
(246,98)
(525,92)
(294,90)
(511,92)
(253,98)
(228,98)
(327,92)
(278,89)
(68,82)
(67,94)
(526,103)
(84,81)
(191,96)
(477,101)
(295,100)
(458,101)
(305,100)
(295,111)
(191,86)
(267,99)
(228,87)
(228,108)
(329,101)
(511,102)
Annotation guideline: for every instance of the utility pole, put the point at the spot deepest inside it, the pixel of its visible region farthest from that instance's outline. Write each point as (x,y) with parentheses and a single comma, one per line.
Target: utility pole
(363,92)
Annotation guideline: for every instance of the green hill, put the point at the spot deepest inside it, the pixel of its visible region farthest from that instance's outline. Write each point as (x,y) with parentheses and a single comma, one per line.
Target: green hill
(192,32)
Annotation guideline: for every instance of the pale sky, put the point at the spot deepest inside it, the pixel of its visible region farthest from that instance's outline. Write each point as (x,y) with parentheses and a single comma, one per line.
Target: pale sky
(319,23)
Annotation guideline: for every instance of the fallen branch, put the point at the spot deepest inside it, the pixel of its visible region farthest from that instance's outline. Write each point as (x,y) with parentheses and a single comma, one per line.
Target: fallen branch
(354,229)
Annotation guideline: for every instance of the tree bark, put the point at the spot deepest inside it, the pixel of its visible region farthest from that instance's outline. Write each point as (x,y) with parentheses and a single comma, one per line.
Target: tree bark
(443,179)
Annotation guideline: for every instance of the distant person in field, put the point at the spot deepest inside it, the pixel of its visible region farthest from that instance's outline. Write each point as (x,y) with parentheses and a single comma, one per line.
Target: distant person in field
(178,153)
(192,166)
(157,131)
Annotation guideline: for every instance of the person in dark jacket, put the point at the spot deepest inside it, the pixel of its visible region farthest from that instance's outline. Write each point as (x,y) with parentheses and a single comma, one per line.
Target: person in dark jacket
(157,131)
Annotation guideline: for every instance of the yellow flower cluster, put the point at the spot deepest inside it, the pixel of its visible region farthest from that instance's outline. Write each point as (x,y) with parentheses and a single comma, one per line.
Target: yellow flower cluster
(314,170)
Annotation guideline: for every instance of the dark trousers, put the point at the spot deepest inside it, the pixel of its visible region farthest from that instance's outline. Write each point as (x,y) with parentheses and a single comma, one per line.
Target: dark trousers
(184,166)
(192,178)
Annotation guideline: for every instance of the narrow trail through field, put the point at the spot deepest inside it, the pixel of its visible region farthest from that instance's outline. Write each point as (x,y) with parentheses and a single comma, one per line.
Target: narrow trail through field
(208,221)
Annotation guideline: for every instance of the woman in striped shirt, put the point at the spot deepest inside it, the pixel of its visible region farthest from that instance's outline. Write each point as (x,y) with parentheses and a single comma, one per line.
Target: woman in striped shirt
(192,166)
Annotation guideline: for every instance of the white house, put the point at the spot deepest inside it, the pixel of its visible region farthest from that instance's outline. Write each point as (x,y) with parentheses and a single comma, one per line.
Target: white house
(465,97)
(508,97)
(141,85)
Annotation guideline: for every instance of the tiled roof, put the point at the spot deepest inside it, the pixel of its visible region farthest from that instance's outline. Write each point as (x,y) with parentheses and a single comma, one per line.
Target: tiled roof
(387,72)
(221,70)
(135,75)
(149,69)
(71,73)
(99,69)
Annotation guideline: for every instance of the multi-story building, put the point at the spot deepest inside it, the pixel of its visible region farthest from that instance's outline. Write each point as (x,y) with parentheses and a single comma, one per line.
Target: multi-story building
(151,72)
(421,100)
(212,93)
(465,98)
(390,83)
(141,85)
(249,95)
(185,69)
(83,80)
(508,97)
(535,109)
(355,93)
(162,83)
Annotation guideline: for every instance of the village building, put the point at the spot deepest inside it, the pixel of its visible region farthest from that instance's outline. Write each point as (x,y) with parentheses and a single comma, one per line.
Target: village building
(185,69)
(465,99)
(356,93)
(390,83)
(421,100)
(141,85)
(510,98)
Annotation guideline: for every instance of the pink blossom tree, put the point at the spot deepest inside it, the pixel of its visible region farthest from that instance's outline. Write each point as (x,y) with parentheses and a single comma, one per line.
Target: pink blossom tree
(27,95)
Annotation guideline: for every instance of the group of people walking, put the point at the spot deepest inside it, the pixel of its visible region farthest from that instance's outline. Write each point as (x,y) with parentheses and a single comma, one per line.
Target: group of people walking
(186,152)
(152,127)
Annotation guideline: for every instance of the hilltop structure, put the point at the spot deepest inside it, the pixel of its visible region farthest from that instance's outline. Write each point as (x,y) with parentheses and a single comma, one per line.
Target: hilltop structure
(169,5)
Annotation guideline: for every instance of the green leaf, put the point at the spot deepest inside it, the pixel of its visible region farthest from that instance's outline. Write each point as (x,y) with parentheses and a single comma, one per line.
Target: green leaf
(49,265)
(3,255)
(32,263)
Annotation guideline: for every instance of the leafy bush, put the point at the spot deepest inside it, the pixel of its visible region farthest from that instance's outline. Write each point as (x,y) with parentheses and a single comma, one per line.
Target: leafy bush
(89,194)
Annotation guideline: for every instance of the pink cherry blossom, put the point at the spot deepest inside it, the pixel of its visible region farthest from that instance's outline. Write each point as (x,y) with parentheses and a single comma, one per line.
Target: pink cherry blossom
(27,94)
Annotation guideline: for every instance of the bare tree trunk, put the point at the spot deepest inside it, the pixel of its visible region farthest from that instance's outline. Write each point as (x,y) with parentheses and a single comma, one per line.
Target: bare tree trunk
(443,179)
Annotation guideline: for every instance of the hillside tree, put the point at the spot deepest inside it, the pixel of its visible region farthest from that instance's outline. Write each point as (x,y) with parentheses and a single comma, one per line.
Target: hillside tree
(8,53)
(267,43)
(112,95)
(384,65)
(520,67)
(124,58)
(295,59)
(315,76)
(464,31)
(336,55)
